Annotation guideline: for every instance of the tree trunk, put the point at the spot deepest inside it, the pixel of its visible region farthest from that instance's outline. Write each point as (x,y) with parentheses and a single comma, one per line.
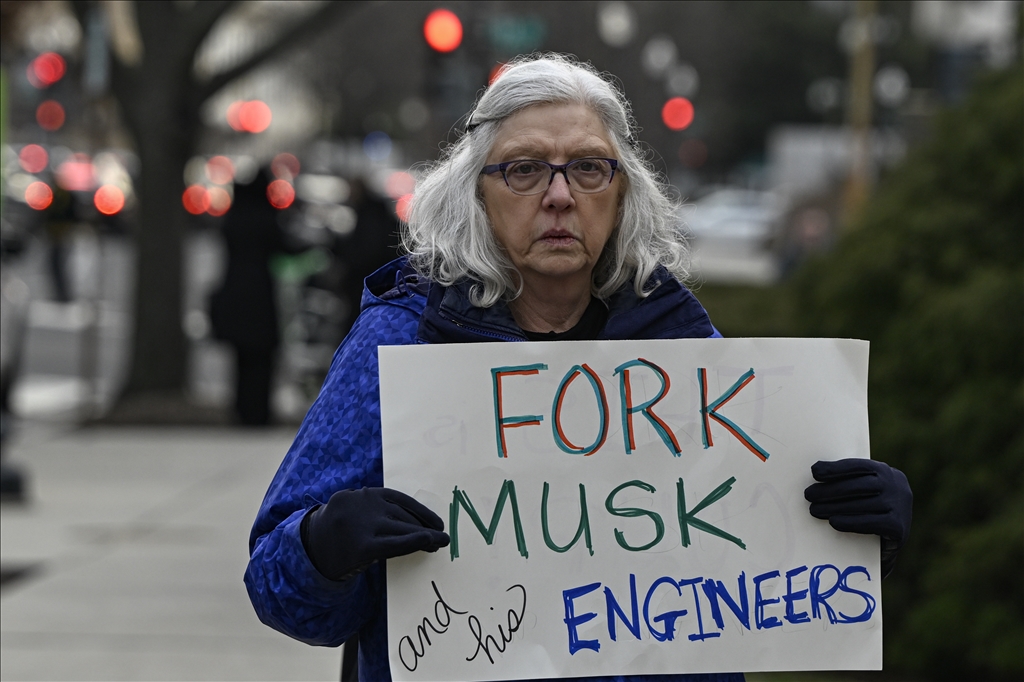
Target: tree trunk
(164,120)
(160,100)
(160,358)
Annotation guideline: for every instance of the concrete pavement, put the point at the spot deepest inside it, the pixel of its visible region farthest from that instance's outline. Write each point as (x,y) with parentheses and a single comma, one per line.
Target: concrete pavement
(134,542)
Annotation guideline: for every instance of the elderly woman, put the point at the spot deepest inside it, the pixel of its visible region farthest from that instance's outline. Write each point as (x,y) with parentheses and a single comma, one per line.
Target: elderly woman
(542,223)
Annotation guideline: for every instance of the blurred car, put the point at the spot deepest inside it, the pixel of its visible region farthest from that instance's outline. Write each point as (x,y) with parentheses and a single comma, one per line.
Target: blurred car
(741,215)
(732,232)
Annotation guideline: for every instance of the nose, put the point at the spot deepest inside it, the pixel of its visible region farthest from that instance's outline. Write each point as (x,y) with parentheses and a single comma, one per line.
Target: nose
(558,197)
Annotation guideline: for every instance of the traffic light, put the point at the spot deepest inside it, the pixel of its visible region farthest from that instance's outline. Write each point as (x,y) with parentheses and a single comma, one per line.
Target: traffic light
(677,113)
(108,200)
(46,69)
(454,76)
(50,115)
(253,116)
(443,30)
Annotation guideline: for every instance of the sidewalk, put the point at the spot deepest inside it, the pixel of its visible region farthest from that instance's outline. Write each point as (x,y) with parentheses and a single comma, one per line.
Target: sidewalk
(134,542)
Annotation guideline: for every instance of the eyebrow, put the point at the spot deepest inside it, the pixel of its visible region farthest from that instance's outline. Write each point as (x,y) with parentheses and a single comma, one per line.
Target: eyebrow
(529,151)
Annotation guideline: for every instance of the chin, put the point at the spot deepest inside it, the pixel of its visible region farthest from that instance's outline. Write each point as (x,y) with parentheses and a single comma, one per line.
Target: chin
(561,271)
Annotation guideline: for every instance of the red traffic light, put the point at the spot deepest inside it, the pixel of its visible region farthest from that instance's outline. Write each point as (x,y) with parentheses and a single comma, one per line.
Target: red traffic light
(108,200)
(443,30)
(33,158)
(46,69)
(281,194)
(677,113)
(50,115)
(195,199)
(38,195)
(254,116)
(251,116)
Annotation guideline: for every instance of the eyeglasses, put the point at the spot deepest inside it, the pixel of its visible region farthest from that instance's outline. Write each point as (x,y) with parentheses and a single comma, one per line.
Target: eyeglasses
(527,176)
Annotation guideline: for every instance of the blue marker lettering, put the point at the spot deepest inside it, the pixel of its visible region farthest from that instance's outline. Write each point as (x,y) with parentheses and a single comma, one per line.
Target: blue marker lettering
(760,602)
(572,621)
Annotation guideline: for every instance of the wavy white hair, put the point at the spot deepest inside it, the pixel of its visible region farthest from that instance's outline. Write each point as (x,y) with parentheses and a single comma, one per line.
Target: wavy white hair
(448,236)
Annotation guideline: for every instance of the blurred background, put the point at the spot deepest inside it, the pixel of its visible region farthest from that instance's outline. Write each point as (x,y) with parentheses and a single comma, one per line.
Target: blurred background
(193,191)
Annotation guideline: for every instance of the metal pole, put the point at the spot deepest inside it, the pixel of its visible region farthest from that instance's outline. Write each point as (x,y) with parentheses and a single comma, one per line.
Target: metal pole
(859,106)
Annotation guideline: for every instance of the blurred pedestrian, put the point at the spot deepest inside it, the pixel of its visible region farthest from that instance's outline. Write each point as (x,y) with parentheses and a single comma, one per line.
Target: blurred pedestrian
(59,224)
(243,311)
(372,244)
(13,324)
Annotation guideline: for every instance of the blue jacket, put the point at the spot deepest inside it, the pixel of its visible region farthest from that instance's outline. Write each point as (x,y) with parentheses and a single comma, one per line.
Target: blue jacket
(338,447)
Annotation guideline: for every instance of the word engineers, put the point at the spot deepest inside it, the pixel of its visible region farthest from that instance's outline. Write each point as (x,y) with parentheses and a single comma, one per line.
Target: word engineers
(662,626)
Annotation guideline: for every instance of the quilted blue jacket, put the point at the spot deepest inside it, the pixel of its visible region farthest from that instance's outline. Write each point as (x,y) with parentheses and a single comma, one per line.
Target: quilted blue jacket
(338,447)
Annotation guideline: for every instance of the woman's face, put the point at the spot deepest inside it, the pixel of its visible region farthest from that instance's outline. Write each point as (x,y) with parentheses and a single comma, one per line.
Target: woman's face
(554,238)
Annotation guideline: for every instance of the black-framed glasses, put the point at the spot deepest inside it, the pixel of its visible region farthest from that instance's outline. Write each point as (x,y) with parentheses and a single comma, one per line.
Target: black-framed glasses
(529,176)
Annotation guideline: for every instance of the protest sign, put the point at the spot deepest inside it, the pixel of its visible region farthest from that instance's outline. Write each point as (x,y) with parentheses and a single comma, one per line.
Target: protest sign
(627,507)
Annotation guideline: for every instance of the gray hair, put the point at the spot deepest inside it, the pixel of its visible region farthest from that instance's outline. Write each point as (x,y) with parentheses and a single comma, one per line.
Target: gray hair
(448,236)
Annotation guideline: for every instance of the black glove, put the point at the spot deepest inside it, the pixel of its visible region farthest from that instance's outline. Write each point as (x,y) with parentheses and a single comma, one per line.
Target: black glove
(863,496)
(357,527)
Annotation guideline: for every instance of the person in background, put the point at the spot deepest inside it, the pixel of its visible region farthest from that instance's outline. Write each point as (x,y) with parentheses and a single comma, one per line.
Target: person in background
(372,244)
(243,311)
(59,223)
(543,222)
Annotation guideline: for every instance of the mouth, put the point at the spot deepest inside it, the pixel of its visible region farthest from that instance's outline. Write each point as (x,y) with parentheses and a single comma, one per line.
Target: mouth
(557,238)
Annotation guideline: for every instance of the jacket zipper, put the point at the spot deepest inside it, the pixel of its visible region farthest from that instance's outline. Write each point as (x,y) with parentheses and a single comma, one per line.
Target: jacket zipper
(476,330)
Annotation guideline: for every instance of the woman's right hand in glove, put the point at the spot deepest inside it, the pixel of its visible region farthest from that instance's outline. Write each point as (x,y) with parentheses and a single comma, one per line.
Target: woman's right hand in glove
(357,527)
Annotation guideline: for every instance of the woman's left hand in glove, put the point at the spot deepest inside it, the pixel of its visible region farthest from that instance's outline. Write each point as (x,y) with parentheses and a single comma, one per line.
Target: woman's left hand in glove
(863,496)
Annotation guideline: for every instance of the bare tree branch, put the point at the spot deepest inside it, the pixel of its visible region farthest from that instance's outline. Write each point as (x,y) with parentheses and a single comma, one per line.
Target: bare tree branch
(302,31)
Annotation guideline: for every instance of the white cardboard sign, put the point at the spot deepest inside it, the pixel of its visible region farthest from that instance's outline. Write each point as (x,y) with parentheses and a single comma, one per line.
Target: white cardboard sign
(627,507)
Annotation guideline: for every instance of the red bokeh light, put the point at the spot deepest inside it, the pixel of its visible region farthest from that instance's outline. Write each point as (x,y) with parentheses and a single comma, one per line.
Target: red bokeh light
(285,166)
(33,158)
(280,193)
(443,30)
(46,69)
(220,170)
(232,115)
(220,201)
(38,195)
(402,207)
(254,116)
(77,174)
(108,200)
(195,199)
(677,113)
(496,71)
(399,184)
(693,153)
(50,115)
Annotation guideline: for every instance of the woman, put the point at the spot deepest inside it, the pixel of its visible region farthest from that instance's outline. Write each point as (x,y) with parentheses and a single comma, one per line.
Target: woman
(542,222)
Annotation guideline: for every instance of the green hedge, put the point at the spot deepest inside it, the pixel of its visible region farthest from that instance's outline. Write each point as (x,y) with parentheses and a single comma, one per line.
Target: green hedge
(933,275)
